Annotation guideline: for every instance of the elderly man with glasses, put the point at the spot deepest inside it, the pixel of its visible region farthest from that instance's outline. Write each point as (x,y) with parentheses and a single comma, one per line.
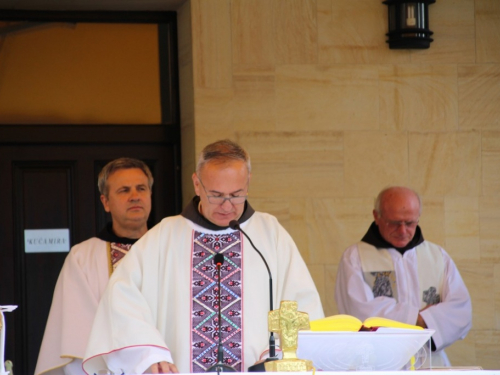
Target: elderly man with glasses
(394,273)
(160,313)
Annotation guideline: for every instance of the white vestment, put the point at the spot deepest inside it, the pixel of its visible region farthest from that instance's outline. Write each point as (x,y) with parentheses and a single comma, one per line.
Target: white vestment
(145,315)
(451,318)
(78,290)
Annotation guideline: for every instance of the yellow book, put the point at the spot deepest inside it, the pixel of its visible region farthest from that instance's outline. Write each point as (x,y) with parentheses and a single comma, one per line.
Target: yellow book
(350,323)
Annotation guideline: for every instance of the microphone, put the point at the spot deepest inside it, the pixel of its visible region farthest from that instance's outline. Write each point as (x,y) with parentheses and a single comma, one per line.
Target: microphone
(233,224)
(219,366)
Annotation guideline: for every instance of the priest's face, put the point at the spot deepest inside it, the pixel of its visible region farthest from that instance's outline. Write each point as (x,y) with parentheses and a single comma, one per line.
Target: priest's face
(398,216)
(128,201)
(222,188)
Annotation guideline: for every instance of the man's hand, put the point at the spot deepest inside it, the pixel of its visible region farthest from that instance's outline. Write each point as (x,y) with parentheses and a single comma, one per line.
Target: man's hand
(420,321)
(162,368)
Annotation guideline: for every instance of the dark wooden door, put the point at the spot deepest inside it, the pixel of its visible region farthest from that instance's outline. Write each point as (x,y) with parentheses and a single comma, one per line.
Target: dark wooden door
(48,180)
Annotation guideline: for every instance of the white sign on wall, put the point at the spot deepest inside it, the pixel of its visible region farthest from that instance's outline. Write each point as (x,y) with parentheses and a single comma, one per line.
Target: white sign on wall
(46,240)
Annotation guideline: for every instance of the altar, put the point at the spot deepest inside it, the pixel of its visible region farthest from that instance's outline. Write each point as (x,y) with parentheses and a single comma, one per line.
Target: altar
(383,350)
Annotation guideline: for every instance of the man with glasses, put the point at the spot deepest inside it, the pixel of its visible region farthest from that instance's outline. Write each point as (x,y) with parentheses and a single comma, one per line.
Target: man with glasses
(394,273)
(160,311)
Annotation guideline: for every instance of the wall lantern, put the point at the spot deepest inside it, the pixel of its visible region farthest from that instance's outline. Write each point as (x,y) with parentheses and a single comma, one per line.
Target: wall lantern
(409,24)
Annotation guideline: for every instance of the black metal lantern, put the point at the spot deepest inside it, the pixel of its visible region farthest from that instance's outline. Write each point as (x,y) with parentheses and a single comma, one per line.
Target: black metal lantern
(409,24)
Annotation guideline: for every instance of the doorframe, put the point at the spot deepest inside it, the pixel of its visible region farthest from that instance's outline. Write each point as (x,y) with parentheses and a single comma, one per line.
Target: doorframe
(166,132)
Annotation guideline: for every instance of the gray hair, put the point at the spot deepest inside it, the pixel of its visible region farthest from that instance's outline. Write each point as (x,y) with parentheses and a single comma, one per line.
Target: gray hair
(378,200)
(222,151)
(121,163)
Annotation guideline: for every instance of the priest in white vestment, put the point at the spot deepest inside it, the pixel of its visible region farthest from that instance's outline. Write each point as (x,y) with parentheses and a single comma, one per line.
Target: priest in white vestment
(159,313)
(125,185)
(394,273)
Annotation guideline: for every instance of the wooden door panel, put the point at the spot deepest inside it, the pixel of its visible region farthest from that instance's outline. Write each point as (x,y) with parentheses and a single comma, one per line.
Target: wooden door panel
(44,199)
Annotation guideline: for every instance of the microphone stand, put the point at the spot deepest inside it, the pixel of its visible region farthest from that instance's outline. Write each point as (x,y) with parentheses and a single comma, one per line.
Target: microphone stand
(219,366)
(272,343)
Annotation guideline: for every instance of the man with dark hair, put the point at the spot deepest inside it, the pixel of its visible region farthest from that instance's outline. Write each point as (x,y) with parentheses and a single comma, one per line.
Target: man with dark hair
(125,185)
(160,311)
(394,273)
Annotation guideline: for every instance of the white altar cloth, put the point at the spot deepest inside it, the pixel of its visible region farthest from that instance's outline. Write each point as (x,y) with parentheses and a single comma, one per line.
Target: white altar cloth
(447,371)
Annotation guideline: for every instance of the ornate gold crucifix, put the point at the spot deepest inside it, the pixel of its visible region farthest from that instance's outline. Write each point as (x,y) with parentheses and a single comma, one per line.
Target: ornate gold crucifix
(287,322)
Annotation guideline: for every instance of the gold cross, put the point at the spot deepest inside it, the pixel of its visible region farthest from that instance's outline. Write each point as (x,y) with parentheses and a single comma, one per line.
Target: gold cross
(287,322)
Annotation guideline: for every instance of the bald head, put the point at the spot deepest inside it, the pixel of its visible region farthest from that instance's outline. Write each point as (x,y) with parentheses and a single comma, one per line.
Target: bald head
(396,213)
(395,194)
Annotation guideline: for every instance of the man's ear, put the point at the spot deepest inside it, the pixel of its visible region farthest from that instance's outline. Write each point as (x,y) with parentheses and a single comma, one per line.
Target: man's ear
(375,216)
(196,183)
(105,203)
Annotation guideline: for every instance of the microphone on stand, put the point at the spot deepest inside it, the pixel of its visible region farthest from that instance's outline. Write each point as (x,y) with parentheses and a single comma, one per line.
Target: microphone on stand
(219,366)
(233,224)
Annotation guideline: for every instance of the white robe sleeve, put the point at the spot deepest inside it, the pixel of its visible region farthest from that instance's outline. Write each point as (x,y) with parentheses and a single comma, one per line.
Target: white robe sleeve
(294,280)
(74,303)
(291,278)
(452,317)
(124,337)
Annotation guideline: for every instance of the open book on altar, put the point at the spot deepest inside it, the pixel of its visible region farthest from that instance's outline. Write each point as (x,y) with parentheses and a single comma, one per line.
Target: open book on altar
(345,343)
(350,323)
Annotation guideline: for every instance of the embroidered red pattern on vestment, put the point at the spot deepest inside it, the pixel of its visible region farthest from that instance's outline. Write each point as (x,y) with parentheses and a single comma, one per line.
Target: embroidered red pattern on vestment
(205,327)
(118,251)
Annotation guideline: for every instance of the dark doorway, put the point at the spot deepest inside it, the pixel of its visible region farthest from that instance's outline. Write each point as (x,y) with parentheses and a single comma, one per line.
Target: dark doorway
(48,180)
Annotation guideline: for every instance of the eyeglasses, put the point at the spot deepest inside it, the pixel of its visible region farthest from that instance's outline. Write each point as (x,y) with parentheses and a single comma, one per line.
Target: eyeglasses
(394,224)
(240,199)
